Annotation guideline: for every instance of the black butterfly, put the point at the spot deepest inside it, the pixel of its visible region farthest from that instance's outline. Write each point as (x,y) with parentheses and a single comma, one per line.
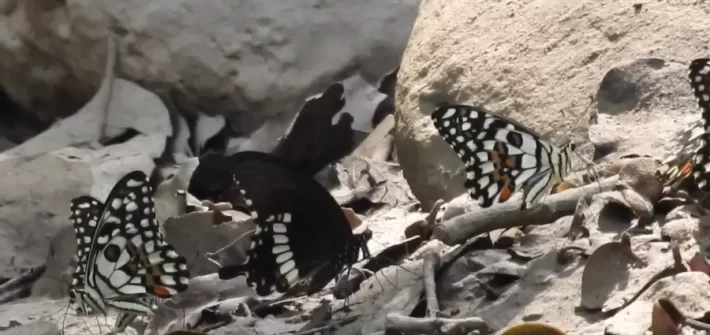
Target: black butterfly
(501,156)
(700,81)
(123,262)
(303,239)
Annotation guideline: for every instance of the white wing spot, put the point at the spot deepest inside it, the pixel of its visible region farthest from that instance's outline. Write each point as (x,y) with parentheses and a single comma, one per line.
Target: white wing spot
(280,228)
(131,206)
(133,183)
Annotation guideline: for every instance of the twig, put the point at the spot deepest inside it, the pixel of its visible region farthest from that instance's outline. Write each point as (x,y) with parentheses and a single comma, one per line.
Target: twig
(431,264)
(332,325)
(397,323)
(17,287)
(508,215)
(376,146)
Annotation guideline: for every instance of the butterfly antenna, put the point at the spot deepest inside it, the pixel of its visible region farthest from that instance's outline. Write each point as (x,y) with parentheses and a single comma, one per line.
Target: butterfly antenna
(574,126)
(579,117)
(589,168)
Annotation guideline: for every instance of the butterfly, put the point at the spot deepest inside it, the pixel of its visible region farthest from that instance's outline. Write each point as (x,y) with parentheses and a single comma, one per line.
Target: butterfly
(700,81)
(501,156)
(83,210)
(123,262)
(303,239)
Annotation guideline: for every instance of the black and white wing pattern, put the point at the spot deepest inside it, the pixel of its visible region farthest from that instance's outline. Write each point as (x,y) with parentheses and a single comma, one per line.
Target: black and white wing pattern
(700,81)
(127,262)
(84,216)
(303,239)
(501,156)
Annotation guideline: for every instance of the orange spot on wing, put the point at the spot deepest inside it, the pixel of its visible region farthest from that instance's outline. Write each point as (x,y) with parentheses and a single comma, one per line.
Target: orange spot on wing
(686,169)
(505,193)
(161,291)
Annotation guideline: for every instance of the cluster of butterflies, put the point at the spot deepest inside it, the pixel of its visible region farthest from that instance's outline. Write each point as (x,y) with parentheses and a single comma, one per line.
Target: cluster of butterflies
(303,239)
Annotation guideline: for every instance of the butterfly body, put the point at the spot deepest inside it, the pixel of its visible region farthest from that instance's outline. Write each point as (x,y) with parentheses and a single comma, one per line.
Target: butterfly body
(302,239)
(500,155)
(123,262)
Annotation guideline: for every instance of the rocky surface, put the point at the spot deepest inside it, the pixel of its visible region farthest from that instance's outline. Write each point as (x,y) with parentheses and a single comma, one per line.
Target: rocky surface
(542,63)
(263,57)
(609,258)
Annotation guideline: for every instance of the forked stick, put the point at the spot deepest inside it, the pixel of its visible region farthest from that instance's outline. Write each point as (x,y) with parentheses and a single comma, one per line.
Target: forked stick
(507,215)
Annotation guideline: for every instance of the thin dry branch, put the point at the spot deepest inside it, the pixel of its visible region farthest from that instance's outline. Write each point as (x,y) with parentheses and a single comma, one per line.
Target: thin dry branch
(432,261)
(507,215)
(376,146)
(20,286)
(399,324)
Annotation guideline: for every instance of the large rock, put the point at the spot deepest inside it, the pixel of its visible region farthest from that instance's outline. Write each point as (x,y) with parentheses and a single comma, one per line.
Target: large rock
(539,62)
(222,57)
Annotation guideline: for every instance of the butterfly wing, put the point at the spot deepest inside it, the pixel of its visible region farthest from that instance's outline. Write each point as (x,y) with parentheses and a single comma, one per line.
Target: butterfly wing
(84,216)
(700,81)
(501,156)
(128,260)
(302,232)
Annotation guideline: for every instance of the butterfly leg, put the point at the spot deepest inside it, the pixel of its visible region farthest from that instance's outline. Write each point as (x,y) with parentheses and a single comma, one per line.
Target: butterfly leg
(589,167)
(123,320)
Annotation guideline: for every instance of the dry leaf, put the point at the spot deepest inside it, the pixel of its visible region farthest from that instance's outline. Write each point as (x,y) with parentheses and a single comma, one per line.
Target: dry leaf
(532,328)
(666,318)
(607,269)
(699,263)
